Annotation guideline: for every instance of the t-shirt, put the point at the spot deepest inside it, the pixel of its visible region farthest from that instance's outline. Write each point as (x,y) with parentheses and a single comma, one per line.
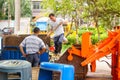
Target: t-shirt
(33,44)
(53,25)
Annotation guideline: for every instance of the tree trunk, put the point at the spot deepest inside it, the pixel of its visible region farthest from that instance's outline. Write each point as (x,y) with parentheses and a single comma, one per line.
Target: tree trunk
(98,30)
(17,16)
(76,26)
(96,18)
(9,15)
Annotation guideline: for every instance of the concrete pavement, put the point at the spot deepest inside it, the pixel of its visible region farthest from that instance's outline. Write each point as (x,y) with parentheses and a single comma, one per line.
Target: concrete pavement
(103,71)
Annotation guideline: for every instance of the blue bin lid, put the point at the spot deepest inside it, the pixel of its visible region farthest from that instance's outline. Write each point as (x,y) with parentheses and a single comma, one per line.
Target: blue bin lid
(14,64)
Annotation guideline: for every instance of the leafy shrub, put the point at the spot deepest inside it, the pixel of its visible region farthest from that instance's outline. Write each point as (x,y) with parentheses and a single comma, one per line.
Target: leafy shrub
(94,37)
(71,39)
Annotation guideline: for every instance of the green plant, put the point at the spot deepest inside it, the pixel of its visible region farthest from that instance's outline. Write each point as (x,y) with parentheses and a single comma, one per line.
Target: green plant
(94,36)
(71,39)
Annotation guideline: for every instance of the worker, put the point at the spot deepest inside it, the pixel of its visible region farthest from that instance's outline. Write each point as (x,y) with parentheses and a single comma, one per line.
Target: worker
(56,26)
(34,47)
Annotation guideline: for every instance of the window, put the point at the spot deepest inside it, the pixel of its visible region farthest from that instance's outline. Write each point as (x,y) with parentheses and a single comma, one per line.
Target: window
(36,5)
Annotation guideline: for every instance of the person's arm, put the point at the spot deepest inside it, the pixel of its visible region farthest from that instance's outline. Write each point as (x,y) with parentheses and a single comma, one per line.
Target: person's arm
(42,47)
(49,33)
(21,46)
(58,25)
(22,51)
(52,30)
(42,50)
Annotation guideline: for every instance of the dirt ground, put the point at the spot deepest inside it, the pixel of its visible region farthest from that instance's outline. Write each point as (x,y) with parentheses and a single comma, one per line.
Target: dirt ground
(103,71)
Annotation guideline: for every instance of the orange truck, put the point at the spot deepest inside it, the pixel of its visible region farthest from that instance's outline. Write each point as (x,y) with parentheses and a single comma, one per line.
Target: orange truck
(91,53)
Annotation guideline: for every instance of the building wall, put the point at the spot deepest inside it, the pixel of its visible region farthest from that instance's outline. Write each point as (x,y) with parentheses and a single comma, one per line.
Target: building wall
(36,7)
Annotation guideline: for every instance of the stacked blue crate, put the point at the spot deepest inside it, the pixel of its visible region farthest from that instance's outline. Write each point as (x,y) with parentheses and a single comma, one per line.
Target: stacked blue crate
(11,52)
(1,46)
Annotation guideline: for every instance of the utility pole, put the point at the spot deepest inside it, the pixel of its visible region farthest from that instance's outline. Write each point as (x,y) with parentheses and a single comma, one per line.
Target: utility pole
(17,16)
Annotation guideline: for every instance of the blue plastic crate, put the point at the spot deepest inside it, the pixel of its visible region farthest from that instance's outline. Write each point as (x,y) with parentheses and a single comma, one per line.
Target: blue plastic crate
(5,55)
(11,54)
(16,54)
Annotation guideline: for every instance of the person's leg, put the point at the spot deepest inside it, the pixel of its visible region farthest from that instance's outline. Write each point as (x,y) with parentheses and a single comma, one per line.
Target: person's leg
(36,60)
(65,40)
(54,57)
(56,44)
(59,48)
(60,42)
(29,58)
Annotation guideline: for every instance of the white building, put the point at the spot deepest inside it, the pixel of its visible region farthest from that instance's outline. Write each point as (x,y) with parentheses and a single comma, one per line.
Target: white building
(36,7)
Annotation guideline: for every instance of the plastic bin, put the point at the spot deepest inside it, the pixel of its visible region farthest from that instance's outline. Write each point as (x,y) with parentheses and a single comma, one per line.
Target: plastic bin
(62,68)
(44,57)
(15,66)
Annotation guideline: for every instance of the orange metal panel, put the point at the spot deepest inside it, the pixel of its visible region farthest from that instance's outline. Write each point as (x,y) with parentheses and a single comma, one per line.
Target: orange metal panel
(102,52)
(73,51)
(114,65)
(93,66)
(105,47)
(86,42)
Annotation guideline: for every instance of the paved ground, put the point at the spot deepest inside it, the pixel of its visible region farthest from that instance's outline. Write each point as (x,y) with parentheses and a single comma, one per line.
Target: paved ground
(103,71)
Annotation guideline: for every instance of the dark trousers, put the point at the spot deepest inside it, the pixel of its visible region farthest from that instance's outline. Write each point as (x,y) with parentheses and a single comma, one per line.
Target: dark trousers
(33,59)
(58,43)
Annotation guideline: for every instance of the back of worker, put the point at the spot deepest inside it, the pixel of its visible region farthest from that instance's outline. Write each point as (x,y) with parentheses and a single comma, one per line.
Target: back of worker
(34,46)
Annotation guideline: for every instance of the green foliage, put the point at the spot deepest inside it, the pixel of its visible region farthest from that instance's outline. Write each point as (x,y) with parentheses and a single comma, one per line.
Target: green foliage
(94,36)
(105,13)
(50,4)
(62,7)
(65,47)
(1,10)
(25,8)
(12,8)
(71,39)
